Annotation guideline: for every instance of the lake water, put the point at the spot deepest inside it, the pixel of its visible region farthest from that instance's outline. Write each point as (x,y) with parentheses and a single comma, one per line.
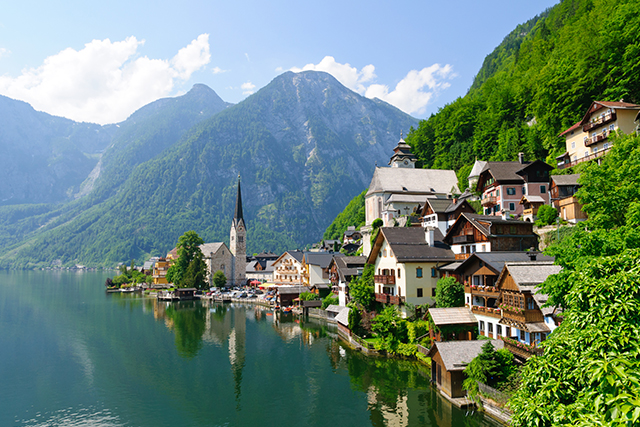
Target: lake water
(72,355)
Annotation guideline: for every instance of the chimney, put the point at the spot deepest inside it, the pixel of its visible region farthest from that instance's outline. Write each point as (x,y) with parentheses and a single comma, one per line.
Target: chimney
(521,158)
(533,255)
(505,214)
(430,235)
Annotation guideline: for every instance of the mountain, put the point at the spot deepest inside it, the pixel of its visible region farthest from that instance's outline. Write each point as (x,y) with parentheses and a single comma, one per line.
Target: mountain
(304,145)
(45,158)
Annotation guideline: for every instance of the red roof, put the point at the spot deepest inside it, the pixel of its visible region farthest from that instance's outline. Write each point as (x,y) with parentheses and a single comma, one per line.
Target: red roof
(574,127)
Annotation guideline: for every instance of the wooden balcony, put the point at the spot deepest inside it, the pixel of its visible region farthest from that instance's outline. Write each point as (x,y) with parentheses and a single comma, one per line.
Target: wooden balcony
(487,311)
(590,157)
(462,256)
(526,316)
(485,291)
(489,201)
(465,238)
(600,121)
(389,299)
(522,350)
(596,138)
(384,279)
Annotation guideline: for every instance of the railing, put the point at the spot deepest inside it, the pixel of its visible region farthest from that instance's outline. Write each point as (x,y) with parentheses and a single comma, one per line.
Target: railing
(596,138)
(489,201)
(587,158)
(389,299)
(384,279)
(462,256)
(491,291)
(383,298)
(487,311)
(599,121)
(465,238)
(521,349)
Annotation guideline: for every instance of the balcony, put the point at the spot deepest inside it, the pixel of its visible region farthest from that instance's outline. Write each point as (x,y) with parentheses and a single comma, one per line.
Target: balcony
(599,121)
(596,138)
(489,201)
(489,291)
(522,350)
(389,299)
(465,238)
(593,156)
(462,256)
(384,279)
(487,311)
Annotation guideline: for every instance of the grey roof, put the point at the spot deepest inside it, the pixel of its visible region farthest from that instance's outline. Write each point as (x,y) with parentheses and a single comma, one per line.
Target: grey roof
(292,289)
(532,199)
(510,171)
(406,198)
(334,308)
(321,259)
(484,222)
(410,180)
(343,316)
(439,205)
(409,245)
(297,255)
(148,265)
(451,267)
(456,355)
(497,260)
(566,179)
(209,248)
(532,272)
(477,168)
(452,316)
(348,265)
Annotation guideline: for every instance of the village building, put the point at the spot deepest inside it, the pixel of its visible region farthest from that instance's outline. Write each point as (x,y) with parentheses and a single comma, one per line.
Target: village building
(401,189)
(351,235)
(452,324)
(406,261)
(588,139)
(260,271)
(315,268)
(526,321)
(443,213)
(473,233)
(476,170)
(287,294)
(217,257)
(160,269)
(562,191)
(530,206)
(288,269)
(450,359)
(503,184)
(342,271)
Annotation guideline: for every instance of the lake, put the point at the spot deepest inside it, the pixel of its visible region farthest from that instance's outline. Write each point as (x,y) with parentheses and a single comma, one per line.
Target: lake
(72,355)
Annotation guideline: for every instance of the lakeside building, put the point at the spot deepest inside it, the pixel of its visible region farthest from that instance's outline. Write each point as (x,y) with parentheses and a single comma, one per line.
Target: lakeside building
(401,189)
(342,271)
(288,269)
(588,139)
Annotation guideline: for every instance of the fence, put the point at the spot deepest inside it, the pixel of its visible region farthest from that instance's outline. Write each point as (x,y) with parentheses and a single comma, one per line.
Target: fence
(493,394)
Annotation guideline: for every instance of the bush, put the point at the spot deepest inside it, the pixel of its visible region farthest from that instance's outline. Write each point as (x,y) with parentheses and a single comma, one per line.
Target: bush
(546,215)
(449,293)
(329,300)
(309,296)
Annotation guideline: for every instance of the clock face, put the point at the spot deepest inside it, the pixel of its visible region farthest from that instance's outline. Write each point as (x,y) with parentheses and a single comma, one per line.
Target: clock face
(406,162)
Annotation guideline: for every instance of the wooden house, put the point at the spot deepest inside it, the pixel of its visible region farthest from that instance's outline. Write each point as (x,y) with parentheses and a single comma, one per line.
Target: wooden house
(562,190)
(286,294)
(449,360)
(530,206)
(442,213)
(343,270)
(452,324)
(473,233)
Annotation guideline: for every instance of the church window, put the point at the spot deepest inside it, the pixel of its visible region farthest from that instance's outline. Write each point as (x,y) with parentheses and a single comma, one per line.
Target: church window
(240,239)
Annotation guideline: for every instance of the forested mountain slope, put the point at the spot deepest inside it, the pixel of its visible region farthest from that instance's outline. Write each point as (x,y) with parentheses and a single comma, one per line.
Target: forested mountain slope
(304,146)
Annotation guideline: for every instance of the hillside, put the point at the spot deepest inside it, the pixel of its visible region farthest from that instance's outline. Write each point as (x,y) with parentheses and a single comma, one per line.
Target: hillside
(304,146)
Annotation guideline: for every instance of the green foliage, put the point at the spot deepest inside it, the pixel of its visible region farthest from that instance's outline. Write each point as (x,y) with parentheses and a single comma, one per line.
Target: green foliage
(361,291)
(490,367)
(449,292)
(219,279)
(390,328)
(309,296)
(189,270)
(329,300)
(546,215)
(353,214)
(417,329)
(355,317)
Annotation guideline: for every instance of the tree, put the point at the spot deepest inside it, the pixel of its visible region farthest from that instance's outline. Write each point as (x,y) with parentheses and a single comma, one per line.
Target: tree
(546,215)
(449,293)
(361,291)
(490,367)
(189,270)
(219,279)
(390,328)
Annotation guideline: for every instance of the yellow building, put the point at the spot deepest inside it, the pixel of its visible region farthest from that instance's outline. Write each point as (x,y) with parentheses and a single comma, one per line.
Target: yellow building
(589,138)
(160,271)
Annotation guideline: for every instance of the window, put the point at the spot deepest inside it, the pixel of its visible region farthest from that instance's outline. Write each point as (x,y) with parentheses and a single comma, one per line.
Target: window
(384,253)
(498,329)
(531,304)
(240,239)
(490,328)
(419,290)
(595,149)
(612,127)
(605,146)
(573,144)
(419,272)
(585,139)
(543,189)
(398,273)
(497,193)
(481,326)
(433,292)
(512,206)
(434,272)
(467,300)
(522,336)
(524,191)
(511,191)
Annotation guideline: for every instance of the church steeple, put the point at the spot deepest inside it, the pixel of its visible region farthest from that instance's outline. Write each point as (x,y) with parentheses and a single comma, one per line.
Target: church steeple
(402,155)
(237,216)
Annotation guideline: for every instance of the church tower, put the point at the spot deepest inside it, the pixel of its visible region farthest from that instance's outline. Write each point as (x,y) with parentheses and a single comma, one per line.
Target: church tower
(238,244)
(402,155)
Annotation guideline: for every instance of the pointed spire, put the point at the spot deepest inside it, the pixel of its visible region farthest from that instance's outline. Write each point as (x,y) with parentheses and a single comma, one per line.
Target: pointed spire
(237,216)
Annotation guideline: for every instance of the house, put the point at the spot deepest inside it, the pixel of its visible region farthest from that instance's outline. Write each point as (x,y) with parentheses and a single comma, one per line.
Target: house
(315,268)
(473,233)
(351,235)
(160,271)
(342,271)
(527,322)
(288,269)
(530,206)
(562,191)
(588,139)
(262,271)
(401,188)
(476,170)
(502,185)
(286,294)
(442,213)
(217,257)
(449,360)
(452,324)
(406,260)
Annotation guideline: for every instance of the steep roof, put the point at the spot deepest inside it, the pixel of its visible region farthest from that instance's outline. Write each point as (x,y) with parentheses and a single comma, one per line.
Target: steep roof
(574,127)
(209,248)
(343,316)
(510,171)
(237,216)
(409,180)
(321,259)
(532,272)
(497,260)
(597,105)
(484,223)
(477,168)
(348,265)
(566,179)
(452,316)
(409,244)
(456,355)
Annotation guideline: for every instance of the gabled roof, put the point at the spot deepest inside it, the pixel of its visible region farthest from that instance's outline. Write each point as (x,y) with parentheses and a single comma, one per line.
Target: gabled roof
(531,273)
(510,171)
(410,180)
(438,205)
(409,244)
(477,168)
(343,316)
(574,127)
(531,199)
(348,265)
(321,259)
(452,316)
(456,355)
(565,179)
(297,255)
(483,223)
(497,260)
(209,248)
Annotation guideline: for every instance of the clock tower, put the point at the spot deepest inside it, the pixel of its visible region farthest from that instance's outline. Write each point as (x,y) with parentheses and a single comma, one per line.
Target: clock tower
(238,244)
(402,155)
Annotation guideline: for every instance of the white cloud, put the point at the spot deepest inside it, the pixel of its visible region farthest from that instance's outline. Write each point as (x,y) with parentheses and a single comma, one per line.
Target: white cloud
(4,52)
(412,94)
(247,88)
(218,70)
(105,81)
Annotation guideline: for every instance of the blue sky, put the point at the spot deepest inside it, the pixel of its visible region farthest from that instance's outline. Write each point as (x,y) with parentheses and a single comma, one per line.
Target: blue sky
(100,61)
